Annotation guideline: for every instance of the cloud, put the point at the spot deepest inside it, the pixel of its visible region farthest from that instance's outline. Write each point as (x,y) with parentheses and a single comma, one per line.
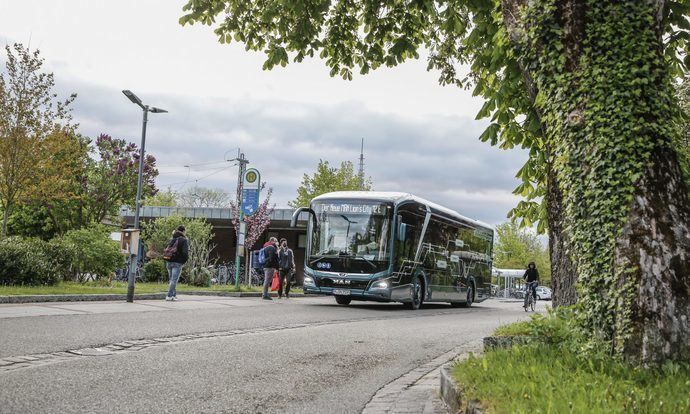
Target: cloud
(438,158)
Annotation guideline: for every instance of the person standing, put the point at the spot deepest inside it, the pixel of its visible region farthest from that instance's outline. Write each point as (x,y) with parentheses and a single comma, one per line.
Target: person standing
(286,260)
(531,278)
(175,255)
(270,253)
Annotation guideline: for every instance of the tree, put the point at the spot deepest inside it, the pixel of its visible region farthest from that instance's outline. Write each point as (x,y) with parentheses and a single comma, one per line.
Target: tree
(29,115)
(327,179)
(111,181)
(257,223)
(585,85)
(203,197)
(514,248)
(166,198)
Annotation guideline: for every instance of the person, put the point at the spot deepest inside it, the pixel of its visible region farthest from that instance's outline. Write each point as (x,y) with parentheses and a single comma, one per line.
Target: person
(531,278)
(271,254)
(286,261)
(176,261)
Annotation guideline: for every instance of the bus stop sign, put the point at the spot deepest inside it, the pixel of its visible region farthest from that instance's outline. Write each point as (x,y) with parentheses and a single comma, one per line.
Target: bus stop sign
(250,191)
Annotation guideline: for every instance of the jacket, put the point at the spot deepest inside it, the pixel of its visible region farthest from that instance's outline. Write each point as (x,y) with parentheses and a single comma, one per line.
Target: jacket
(182,254)
(531,275)
(271,254)
(286,258)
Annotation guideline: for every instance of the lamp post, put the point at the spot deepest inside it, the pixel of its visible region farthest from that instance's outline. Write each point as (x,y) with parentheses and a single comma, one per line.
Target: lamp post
(133,262)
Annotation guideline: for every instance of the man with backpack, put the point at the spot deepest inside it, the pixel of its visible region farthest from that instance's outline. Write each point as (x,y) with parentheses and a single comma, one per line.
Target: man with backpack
(175,255)
(286,260)
(268,258)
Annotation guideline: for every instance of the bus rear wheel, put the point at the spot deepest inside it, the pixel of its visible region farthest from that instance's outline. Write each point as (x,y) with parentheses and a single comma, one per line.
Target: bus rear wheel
(343,300)
(417,294)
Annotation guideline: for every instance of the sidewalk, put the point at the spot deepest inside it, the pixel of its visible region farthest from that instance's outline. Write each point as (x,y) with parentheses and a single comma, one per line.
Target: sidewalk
(186,302)
(88,297)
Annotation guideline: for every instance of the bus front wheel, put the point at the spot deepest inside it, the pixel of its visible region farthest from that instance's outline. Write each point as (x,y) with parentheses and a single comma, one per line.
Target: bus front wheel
(417,294)
(343,300)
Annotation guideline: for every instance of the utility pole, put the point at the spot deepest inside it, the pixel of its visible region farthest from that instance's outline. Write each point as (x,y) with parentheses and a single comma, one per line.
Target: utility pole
(361,167)
(241,226)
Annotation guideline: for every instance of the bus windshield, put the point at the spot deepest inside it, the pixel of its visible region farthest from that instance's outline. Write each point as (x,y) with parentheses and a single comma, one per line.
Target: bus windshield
(356,229)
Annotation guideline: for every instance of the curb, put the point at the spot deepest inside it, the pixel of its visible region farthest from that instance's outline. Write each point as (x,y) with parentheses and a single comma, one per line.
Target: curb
(121,297)
(452,396)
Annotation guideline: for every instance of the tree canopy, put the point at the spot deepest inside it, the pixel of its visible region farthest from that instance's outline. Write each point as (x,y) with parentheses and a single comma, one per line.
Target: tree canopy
(34,128)
(326,179)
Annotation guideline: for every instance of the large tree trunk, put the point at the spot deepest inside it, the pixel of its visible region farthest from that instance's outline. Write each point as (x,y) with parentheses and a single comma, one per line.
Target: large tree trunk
(627,193)
(563,272)
(656,242)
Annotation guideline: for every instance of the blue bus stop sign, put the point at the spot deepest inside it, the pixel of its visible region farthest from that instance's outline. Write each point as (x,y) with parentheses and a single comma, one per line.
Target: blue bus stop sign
(250,201)
(250,191)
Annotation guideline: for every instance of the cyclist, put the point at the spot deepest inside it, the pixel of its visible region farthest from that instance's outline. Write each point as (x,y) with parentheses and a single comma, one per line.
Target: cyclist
(531,278)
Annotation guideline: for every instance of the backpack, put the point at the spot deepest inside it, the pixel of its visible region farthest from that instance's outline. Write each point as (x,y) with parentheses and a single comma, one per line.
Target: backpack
(262,257)
(171,249)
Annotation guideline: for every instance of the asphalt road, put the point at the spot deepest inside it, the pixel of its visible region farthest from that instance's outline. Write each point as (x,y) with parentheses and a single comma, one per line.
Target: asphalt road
(303,355)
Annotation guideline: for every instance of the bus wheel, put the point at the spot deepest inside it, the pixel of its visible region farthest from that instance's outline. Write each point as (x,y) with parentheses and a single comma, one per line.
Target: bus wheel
(417,294)
(470,297)
(343,300)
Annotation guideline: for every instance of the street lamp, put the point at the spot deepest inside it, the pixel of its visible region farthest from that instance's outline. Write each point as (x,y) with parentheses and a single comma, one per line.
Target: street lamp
(133,263)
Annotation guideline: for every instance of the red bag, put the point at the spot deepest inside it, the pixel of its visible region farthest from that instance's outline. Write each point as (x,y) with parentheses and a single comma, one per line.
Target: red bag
(275,283)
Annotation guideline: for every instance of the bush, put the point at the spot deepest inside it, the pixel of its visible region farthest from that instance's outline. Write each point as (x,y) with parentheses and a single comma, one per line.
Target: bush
(200,276)
(26,262)
(155,271)
(91,252)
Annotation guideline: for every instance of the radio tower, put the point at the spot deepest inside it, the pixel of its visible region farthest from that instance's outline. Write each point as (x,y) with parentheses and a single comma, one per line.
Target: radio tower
(361,167)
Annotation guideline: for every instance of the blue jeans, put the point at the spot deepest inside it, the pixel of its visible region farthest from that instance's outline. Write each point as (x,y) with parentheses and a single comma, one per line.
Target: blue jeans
(174,270)
(268,278)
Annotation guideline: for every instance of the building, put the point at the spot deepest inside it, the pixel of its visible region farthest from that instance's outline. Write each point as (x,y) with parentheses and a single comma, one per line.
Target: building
(225,238)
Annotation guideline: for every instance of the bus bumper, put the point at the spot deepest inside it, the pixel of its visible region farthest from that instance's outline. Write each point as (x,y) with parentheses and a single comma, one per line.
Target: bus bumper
(381,295)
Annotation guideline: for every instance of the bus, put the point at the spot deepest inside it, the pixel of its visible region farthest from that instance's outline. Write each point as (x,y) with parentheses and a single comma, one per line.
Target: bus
(394,247)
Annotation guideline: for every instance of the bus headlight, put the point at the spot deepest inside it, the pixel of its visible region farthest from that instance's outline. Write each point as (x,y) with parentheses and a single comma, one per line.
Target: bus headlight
(309,281)
(380,284)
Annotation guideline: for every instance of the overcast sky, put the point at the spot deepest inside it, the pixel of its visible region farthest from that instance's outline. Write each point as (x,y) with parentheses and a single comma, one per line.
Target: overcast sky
(419,137)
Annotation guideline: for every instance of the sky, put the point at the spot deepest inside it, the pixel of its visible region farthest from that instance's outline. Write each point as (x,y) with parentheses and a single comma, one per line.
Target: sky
(419,137)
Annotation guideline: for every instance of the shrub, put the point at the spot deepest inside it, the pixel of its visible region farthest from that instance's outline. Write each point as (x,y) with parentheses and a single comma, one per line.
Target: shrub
(155,271)
(26,262)
(200,276)
(91,252)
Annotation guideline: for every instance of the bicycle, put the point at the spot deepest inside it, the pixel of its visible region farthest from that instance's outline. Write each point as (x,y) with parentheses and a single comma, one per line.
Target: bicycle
(530,300)
(122,275)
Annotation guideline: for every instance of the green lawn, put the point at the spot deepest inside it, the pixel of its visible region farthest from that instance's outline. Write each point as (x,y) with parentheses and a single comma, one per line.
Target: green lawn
(547,379)
(73,288)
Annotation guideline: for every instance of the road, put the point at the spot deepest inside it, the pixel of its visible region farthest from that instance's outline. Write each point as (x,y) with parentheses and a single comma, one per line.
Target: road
(212,354)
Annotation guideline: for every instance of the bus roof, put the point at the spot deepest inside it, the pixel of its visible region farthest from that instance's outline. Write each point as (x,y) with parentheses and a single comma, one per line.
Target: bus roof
(396,198)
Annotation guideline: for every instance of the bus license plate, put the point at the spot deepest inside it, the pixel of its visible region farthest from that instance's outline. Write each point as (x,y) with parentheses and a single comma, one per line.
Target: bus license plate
(345,292)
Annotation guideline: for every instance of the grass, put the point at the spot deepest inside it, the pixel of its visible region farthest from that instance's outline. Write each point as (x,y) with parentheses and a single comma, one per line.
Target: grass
(541,378)
(74,288)
(513,329)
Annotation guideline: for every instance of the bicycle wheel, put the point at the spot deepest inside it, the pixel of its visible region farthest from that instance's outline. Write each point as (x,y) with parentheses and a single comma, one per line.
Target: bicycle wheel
(531,302)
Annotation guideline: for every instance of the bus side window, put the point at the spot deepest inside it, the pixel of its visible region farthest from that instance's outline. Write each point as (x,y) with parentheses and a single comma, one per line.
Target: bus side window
(405,250)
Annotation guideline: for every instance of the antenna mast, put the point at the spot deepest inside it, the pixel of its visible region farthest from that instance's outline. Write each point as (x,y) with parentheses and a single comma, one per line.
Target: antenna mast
(361,167)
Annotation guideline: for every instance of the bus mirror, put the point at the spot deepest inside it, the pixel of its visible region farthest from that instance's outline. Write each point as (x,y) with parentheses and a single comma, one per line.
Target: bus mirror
(402,231)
